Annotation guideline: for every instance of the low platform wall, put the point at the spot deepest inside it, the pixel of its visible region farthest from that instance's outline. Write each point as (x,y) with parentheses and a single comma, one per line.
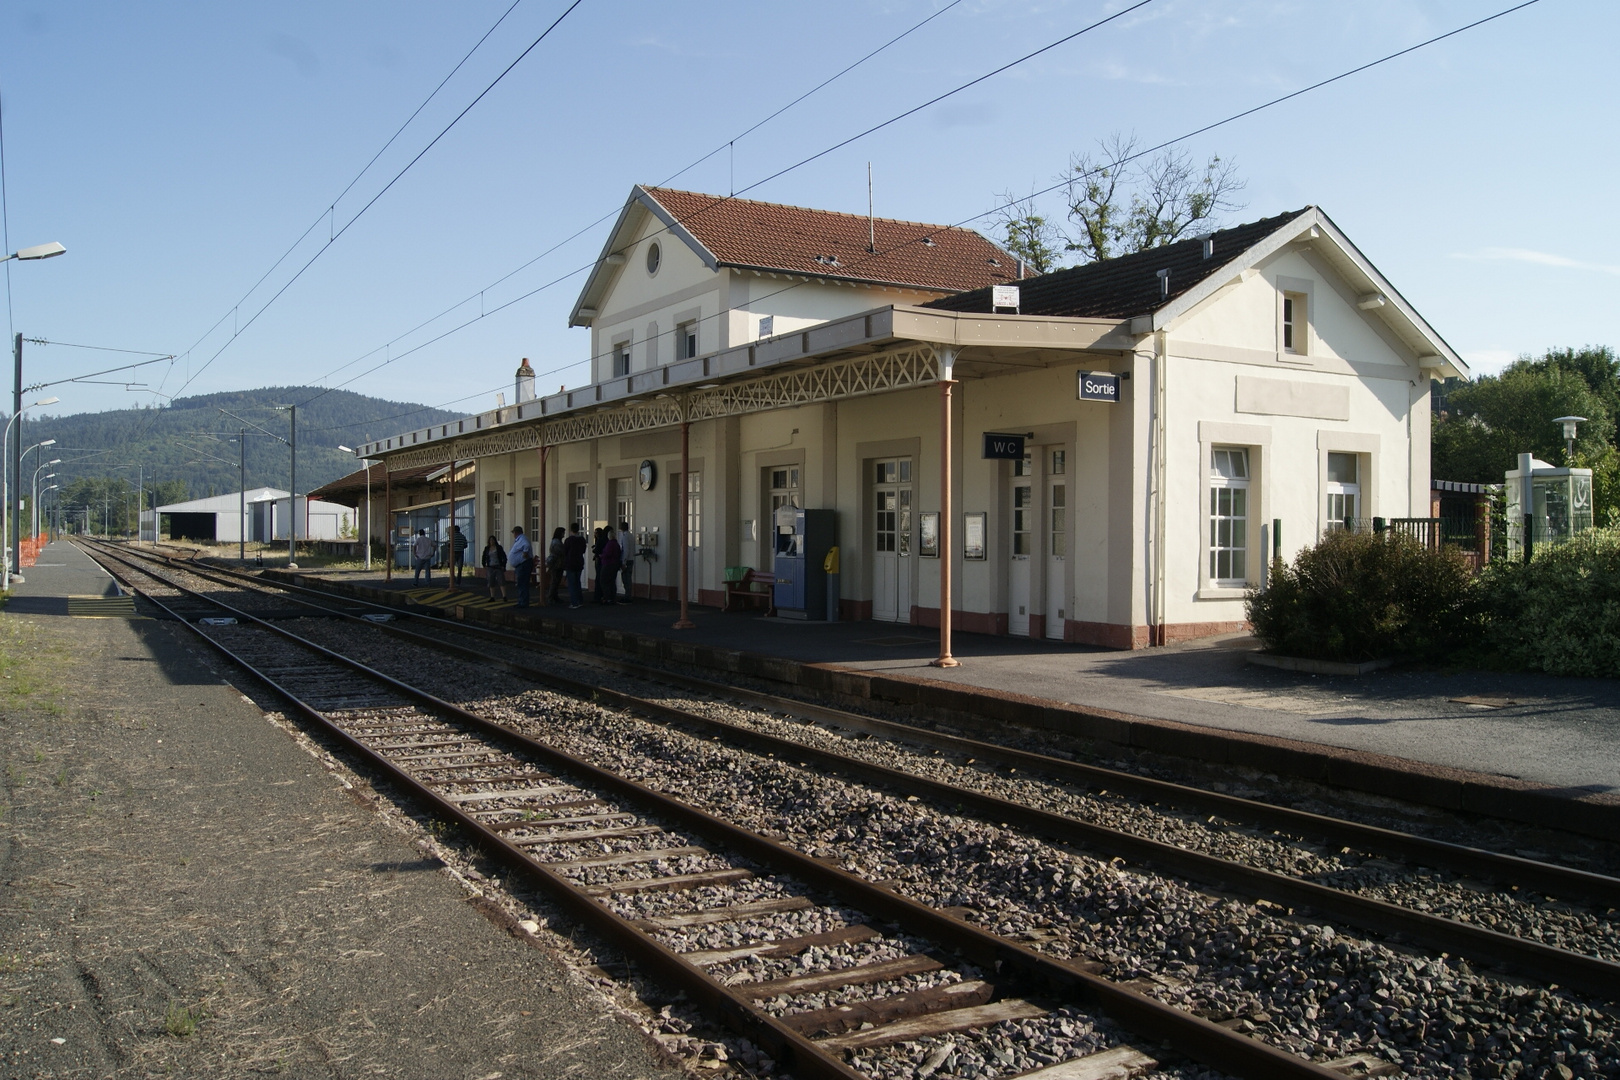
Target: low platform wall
(1456,790)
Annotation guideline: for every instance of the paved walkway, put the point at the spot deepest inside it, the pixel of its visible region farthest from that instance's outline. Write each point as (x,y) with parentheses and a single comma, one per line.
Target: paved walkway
(1561,732)
(189,893)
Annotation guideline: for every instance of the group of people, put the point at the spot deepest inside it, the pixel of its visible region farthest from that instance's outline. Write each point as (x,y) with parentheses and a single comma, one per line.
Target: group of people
(565,561)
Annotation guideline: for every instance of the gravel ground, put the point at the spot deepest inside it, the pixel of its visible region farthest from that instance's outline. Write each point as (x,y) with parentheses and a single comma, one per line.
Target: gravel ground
(1300,985)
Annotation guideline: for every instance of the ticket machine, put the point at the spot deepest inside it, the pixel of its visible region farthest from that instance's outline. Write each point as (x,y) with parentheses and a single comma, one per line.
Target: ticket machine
(801,555)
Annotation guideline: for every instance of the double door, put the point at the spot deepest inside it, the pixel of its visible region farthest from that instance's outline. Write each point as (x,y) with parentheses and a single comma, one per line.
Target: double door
(1038,548)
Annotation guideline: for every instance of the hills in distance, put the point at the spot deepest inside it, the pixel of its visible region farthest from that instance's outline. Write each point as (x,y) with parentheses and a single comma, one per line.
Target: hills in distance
(192,441)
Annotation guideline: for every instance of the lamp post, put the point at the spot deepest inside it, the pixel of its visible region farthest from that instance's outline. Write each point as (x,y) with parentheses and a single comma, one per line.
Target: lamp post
(20,467)
(366,464)
(37,478)
(5,493)
(1569,423)
(38,493)
(28,254)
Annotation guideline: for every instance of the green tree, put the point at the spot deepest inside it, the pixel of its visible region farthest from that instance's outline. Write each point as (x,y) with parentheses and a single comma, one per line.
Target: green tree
(1120,203)
(1486,424)
(1030,235)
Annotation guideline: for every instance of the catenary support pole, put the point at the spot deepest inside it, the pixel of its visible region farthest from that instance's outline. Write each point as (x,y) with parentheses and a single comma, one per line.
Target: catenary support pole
(292,490)
(14,466)
(947,554)
(388,522)
(685,622)
(241,500)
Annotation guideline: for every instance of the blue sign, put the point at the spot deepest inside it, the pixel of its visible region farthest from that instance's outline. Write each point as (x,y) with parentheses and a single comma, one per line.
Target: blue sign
(1010,447)
(1097,386)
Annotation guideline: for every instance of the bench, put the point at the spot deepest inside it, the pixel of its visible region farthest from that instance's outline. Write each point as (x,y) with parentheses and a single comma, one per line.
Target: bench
(754,587)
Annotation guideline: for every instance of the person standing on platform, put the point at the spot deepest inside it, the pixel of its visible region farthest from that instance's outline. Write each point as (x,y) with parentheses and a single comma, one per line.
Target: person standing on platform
(612,557)
(627,559)
(495,569)
(458,553)
(520,557)
(421,558)
(554,566)
(574,565)
(598,542)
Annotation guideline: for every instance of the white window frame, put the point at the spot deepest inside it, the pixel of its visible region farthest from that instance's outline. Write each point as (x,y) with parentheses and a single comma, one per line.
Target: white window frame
(621,358)
(1216,484)
(1298,294)
(1340,490)
(686,340)
(1366,449)
(1256,439)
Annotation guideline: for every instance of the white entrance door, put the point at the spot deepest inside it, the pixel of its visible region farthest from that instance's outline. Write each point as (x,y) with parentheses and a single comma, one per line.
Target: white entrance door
(694,533)
(1057,543)
(1024,537)
(891,540)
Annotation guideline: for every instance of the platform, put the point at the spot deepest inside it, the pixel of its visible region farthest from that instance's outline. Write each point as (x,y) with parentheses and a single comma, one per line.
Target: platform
(1557,735)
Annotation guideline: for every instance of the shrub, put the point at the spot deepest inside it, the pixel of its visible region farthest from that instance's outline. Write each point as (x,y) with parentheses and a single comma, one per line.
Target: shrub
(1560,613)
(1360,596)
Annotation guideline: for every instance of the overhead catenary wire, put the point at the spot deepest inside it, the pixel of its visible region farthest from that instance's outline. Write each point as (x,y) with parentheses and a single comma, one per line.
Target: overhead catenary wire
(865,257)
(338,234)
(729,144)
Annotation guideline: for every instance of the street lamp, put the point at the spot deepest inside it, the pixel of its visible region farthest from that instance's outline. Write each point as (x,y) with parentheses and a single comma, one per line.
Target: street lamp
(1569,423)
(20,459)
(366,463)
(5,495)
(38,494)
(38,251)
(37,478)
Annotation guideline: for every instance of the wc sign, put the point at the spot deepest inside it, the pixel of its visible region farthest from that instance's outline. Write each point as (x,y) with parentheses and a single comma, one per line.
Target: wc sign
(1097,386)
(1004,447)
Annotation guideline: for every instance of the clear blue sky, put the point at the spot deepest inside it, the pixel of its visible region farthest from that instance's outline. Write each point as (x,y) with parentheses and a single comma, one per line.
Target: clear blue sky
(178,149)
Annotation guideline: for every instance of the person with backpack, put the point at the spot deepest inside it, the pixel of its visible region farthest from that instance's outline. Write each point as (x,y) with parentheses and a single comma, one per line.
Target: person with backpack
(574,565)
(495,569)
(458,553)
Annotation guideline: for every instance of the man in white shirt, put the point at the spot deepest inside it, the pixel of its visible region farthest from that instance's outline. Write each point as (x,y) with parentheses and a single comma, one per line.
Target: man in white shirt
(422,549)
(520,557)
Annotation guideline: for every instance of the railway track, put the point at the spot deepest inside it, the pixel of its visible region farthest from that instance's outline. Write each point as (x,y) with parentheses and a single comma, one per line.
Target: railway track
(1594,974)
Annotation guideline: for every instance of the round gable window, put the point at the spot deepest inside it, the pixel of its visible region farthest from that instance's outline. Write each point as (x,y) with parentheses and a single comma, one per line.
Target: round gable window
(654,254)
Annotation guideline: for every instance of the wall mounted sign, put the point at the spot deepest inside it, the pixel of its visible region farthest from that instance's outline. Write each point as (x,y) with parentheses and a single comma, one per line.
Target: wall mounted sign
(1003,296)
(647,475)
(1010,447)
(928,548)
(973,535)
(1097,386)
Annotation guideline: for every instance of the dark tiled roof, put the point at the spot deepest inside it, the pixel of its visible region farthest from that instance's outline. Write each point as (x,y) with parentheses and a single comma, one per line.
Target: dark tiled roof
(1129,285)
(792,239)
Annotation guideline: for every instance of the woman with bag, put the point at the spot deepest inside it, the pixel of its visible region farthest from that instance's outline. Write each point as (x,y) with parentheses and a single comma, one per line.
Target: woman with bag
(608,568)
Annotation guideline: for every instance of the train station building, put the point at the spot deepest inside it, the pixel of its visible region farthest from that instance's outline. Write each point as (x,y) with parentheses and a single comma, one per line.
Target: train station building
(1129,441)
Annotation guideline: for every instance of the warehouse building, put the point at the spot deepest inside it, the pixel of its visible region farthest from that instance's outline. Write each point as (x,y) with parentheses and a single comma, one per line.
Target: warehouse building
(258,515)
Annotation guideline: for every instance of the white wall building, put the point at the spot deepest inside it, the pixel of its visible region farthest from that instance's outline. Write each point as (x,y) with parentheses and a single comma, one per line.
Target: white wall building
(1269,385)
(261,513)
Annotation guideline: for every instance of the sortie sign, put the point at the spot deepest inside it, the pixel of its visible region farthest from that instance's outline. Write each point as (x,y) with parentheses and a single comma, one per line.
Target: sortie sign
(1097,386)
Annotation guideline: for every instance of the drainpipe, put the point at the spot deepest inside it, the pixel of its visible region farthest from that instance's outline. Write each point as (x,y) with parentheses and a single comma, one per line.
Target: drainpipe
(388,522)
(1156,451)
(947,556)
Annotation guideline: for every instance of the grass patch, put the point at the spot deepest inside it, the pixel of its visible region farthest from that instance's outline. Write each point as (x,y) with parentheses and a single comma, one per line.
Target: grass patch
(181,1020)
(32,666)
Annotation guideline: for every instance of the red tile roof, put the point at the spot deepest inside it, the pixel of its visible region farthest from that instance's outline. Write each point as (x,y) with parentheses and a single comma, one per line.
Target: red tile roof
(792,239)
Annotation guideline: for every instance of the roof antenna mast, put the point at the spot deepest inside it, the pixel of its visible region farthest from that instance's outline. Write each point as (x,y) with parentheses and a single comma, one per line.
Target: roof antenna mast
(871,230)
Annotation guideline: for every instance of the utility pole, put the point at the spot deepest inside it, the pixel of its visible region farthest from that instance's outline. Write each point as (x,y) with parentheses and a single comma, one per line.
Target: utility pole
(292,492)
(16,454)
(241,498)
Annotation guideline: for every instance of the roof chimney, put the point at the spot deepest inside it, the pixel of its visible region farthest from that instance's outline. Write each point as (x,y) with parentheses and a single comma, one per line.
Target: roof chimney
(1209,245)
(524,390)
(1164,284)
